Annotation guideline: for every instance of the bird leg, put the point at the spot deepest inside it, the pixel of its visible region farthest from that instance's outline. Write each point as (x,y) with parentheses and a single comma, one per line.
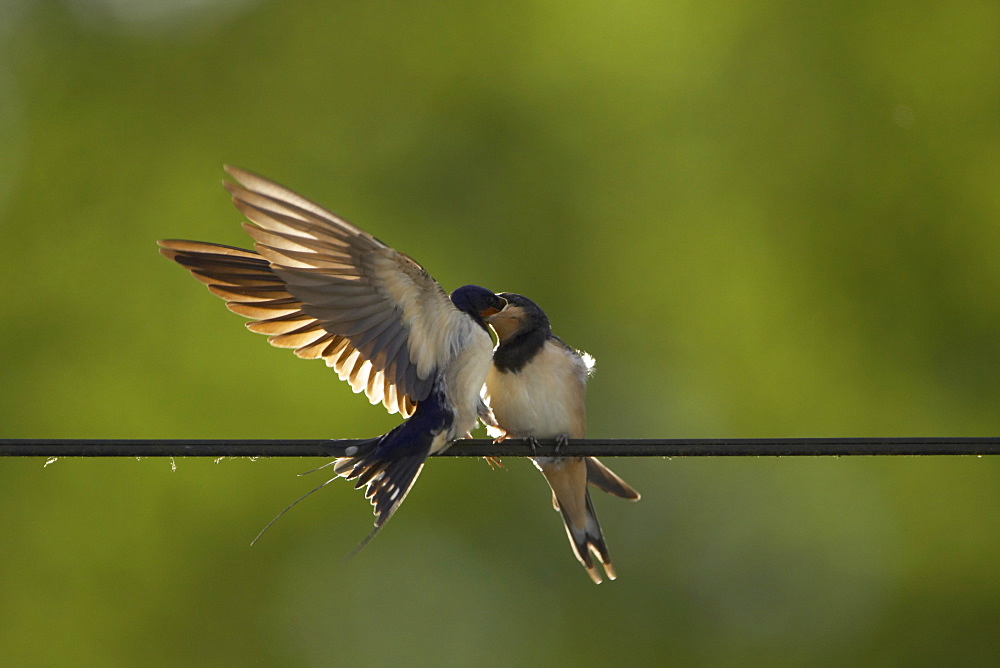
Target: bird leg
(495,462)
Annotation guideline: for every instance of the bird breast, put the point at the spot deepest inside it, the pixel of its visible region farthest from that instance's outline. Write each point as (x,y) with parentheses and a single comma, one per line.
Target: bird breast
(544,399)
(465,376)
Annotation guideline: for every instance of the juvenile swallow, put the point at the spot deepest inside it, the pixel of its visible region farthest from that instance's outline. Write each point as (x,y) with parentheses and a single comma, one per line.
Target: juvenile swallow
(329,290)
(536,387)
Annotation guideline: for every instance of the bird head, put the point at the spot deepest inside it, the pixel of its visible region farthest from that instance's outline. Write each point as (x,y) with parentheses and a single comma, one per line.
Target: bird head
(519,316)
(478,302)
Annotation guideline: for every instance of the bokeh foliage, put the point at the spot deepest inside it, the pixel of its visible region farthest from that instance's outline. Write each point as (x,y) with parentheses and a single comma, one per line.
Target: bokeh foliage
(767,219)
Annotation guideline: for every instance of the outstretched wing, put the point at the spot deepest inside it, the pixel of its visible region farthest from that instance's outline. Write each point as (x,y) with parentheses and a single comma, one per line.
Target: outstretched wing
(330,290)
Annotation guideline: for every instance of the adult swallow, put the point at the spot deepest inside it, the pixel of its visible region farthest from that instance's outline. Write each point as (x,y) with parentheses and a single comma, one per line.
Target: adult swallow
(536,387)
(329,290)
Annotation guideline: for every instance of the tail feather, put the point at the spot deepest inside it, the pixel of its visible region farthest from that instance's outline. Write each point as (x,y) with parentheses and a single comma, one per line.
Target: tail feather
(388,466)
(567,477)
(606,480)
(589,540)
(293,504)
(386,480)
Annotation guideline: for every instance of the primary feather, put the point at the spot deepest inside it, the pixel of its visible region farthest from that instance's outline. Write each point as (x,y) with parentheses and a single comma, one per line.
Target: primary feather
(317,284)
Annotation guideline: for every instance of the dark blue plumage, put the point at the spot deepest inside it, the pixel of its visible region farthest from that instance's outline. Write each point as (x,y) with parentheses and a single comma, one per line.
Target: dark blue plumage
(477,301)
(388,466)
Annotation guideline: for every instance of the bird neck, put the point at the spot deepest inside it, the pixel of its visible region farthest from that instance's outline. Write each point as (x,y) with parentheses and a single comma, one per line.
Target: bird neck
(518,350)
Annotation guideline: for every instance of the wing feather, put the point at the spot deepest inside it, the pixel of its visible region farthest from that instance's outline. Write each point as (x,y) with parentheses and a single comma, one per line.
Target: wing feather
(297,340)
(315,351)
(327,289)
(229,273)
(301,239)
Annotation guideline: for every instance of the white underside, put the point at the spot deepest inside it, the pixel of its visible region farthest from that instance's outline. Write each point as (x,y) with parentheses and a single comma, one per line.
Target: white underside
(544,399)
(463,381)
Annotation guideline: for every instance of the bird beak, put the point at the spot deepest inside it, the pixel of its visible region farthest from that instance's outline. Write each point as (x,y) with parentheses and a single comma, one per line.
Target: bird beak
(490,311)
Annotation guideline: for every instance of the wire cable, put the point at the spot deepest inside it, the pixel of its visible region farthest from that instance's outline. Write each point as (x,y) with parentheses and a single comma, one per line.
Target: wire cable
(619,447)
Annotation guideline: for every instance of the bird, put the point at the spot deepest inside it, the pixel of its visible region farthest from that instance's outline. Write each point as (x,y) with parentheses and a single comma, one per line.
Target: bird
(536,388)
(317,284)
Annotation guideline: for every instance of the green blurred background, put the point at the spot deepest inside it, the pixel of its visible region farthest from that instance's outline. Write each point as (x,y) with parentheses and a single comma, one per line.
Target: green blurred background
(764,219)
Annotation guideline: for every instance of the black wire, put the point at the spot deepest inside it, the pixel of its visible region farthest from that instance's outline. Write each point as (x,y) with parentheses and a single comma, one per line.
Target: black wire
(620,447)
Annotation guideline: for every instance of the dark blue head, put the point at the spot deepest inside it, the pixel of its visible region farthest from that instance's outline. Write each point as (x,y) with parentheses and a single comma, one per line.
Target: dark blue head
(477,302)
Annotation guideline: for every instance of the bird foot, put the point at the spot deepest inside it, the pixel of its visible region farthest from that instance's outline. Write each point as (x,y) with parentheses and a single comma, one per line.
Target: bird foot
(494,462)
(562,440)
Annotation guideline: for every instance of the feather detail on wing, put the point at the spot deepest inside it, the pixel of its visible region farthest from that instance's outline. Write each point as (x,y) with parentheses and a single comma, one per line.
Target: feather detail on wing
(330,291)
(251,288)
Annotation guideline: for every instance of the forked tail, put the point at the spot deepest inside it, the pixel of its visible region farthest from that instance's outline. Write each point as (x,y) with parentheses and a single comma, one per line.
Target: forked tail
(588,539)
(567,477)
(388,466)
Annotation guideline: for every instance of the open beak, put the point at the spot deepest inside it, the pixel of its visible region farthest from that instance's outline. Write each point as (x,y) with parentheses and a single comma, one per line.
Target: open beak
(491,311)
